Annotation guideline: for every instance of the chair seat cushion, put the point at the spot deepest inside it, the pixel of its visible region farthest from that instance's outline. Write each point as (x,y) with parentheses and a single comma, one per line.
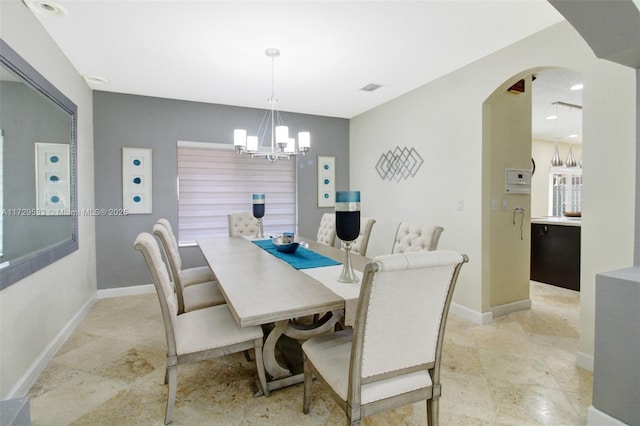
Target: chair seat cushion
(197,275)
(330,354)
(210,328)
(202,295)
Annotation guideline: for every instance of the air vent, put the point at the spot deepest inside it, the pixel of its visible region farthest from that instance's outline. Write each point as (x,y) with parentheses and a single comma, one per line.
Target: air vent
(371,87)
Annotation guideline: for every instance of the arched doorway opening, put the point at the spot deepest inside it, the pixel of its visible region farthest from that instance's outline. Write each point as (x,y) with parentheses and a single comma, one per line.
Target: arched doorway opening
(512,137)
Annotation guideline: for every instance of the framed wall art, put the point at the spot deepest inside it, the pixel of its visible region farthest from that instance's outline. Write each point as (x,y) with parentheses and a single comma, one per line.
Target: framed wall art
(326,181)
(136,180)
(52,179)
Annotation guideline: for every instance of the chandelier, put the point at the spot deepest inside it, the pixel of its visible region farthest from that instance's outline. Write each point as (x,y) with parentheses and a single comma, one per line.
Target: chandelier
(271,127)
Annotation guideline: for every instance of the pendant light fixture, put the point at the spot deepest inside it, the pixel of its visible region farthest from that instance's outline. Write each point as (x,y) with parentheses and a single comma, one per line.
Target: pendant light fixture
(271,130)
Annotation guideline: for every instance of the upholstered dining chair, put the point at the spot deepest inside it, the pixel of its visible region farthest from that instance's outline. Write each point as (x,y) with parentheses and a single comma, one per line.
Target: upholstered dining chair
(327,229)
(361,243)
(242,224)
(416,237)
(189,276)
(195,296)
(198,335)
(391,357)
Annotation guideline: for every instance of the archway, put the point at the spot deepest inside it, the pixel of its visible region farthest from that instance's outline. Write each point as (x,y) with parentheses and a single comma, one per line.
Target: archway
(506,218)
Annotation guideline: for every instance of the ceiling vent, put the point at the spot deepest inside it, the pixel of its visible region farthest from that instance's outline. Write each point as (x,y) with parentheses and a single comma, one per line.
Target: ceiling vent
(371,87)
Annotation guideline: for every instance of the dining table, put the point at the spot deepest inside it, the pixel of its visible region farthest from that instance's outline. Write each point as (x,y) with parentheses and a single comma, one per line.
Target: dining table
(291,298)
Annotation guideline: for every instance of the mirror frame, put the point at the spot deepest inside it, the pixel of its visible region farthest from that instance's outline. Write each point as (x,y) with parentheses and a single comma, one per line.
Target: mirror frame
(36,260)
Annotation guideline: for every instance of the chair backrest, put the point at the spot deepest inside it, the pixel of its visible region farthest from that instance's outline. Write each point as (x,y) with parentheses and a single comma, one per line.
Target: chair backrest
(361,243)
(242,224)
(171,253)
(402,309)
(416,237)
(172,238)
(148,246)
(165,222)
(327,229)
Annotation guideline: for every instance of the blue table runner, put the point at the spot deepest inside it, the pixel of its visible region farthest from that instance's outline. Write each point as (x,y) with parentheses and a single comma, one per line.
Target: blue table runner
(302,258)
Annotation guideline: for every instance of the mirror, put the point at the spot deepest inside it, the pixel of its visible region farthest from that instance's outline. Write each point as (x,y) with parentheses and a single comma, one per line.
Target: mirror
(37,170)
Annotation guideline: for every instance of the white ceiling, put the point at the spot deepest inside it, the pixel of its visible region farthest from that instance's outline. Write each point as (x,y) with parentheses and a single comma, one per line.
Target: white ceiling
(549,87)
(213,51)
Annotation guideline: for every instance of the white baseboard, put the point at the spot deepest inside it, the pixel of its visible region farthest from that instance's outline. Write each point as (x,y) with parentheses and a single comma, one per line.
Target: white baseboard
(596,417)
(584,360)
(470,314)
(126,291)
(508,308)
(21,388)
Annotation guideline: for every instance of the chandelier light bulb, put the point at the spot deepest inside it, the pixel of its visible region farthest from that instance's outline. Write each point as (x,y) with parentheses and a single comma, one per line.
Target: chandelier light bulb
(291,146)
(240,139)
(252,143)
(282,135)
(304,141)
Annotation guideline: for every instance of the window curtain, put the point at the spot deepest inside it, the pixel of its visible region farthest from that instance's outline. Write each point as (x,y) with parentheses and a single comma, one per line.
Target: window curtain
(213,181)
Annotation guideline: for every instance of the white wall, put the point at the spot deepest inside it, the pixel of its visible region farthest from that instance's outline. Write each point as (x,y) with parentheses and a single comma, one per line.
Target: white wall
(37,312)
(443,122)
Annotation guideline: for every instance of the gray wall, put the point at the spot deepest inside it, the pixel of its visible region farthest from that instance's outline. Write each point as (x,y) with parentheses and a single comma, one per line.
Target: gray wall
(144,122)
(636,258)
(616,376)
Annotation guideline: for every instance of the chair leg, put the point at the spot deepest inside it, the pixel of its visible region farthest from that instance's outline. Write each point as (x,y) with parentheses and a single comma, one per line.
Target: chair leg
(247,355)
(432,412)
(262,376)
(172,374)
(353,416)
(308,381)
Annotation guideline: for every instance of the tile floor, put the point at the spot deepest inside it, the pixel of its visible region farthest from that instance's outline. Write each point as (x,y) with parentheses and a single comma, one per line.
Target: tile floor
(519,370)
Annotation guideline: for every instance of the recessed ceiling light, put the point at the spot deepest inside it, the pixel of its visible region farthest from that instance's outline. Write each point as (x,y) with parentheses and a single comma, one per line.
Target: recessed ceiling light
(552,117)
(95,80)
(573,136)
(371,87)
(46,7)
(578,86)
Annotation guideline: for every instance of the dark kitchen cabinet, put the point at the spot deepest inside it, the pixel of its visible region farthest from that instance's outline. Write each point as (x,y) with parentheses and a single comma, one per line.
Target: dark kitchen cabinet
(555,255)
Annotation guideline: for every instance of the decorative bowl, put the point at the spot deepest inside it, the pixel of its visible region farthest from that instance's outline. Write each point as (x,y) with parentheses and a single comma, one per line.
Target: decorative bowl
(572,214)
(284,247)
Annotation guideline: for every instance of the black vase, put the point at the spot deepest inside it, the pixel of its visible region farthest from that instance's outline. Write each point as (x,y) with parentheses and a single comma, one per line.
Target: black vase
(348,228)
(258,212)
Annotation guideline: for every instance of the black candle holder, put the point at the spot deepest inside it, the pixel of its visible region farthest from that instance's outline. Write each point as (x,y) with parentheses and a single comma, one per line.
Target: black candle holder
(348,229)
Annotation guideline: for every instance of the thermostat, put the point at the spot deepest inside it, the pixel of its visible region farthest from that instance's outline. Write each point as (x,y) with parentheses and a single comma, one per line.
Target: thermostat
(517,181)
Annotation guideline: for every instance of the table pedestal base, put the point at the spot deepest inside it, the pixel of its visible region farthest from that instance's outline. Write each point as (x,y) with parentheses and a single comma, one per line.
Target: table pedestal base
(279,376)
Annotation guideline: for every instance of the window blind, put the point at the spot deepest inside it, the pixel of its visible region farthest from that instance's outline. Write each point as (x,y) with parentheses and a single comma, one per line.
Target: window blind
(213,181)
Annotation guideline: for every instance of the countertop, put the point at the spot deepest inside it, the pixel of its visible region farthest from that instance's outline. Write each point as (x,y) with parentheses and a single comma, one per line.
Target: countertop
(557,220)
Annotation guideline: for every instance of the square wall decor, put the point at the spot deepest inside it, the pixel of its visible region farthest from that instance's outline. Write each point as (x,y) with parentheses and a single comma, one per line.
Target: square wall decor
(326,181)
(136,180)
(52,179)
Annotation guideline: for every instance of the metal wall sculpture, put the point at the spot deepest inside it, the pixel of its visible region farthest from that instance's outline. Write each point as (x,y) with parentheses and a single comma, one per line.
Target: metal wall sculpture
(401,163)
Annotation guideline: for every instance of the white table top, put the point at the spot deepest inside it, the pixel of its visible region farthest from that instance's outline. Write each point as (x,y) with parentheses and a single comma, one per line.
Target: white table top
(260,288)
